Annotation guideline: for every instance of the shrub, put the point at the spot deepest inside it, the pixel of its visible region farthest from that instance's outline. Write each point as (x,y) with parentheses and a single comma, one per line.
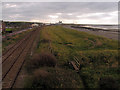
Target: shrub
(45,41)
(42,59)
(54,78)
(108,82)
(40,73)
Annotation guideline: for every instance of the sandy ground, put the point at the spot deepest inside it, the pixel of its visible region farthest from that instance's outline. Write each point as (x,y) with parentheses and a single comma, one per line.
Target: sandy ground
(107,34)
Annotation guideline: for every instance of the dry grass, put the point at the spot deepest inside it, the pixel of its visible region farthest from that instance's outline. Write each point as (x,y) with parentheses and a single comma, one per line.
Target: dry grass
(40,60)
(108,82)
(54,78)
(45,41)
(40,73)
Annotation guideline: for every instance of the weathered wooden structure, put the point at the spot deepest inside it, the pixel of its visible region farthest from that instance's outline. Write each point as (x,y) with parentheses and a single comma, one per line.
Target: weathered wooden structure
(3,26)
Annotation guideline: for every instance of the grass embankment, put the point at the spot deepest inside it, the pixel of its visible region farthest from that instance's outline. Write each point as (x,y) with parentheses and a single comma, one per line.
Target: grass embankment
(98,57)
(6,43)
(8,29)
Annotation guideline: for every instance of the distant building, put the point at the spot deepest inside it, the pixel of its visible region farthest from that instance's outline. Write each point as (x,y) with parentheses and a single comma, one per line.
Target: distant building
(34,25)
(60,22)
(47,24)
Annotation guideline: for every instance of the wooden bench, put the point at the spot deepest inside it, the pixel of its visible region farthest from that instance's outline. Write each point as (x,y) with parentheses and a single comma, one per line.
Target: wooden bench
(74,65)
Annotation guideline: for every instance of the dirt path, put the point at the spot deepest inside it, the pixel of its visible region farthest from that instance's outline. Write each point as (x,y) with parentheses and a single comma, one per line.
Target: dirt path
(14,60)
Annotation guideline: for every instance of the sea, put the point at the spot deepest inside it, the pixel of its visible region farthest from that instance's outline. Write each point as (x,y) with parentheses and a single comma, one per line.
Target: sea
(112,27)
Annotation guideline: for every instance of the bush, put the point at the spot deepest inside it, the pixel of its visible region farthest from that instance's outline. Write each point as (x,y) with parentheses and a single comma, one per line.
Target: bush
(42,59)
(108,82)
(54,78)
(45,41)
(40,73)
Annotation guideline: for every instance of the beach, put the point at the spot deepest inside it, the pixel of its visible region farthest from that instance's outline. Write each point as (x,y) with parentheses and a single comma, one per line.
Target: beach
(108,34)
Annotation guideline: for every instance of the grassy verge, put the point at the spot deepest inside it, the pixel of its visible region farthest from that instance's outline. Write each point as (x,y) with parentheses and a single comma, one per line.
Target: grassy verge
(98,58)
(12,40)
(8,29)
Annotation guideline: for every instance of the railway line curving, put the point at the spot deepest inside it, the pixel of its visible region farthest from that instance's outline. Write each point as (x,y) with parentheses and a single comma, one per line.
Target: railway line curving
(14,59)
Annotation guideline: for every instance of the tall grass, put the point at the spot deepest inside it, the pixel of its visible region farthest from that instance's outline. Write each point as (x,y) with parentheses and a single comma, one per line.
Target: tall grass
(98,56)
(40,60)
(54,78)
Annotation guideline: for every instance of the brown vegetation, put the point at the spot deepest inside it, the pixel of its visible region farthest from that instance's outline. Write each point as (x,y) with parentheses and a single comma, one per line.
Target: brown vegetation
(40,73)
(108,82)
(42,59)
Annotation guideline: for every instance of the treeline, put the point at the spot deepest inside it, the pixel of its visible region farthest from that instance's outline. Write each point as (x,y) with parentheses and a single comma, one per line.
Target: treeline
(15,26)
(18,25)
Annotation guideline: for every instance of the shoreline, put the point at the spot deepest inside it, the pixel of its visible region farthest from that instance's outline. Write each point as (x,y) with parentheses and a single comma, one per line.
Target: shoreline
(108,34)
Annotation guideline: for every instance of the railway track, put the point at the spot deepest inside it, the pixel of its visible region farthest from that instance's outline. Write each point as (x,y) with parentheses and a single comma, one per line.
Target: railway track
(9,51)
(14,59)
(14,45)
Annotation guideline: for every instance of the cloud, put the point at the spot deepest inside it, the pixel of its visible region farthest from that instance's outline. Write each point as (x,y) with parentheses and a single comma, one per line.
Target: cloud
(69,14)
(53,16)
(9,5)
(59,13)
(65,11)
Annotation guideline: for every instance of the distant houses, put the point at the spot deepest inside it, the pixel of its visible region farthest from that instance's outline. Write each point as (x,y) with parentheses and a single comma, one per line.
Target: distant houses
(59,23)
(4,28)
(47,24)
(34,25)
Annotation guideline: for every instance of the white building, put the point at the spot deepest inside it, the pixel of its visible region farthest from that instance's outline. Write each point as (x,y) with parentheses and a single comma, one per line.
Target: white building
(59,23)
(34,25)
(47,24)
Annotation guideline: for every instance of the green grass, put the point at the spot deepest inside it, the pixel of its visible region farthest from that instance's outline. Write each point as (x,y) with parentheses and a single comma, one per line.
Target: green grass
(97,55)
(67,42)
(8,29)
(12,40)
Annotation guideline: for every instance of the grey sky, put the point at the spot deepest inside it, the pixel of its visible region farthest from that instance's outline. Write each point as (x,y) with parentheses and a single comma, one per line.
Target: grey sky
(68,12)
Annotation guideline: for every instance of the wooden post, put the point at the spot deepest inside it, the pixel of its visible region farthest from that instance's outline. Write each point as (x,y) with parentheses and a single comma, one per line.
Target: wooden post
(3,26)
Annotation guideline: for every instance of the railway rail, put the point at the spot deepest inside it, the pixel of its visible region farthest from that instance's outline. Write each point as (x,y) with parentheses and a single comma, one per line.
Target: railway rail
(14,59)
(4,53)
(10,50)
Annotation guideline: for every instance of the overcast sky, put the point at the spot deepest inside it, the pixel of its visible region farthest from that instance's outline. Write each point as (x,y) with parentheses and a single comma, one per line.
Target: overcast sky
(68,12)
